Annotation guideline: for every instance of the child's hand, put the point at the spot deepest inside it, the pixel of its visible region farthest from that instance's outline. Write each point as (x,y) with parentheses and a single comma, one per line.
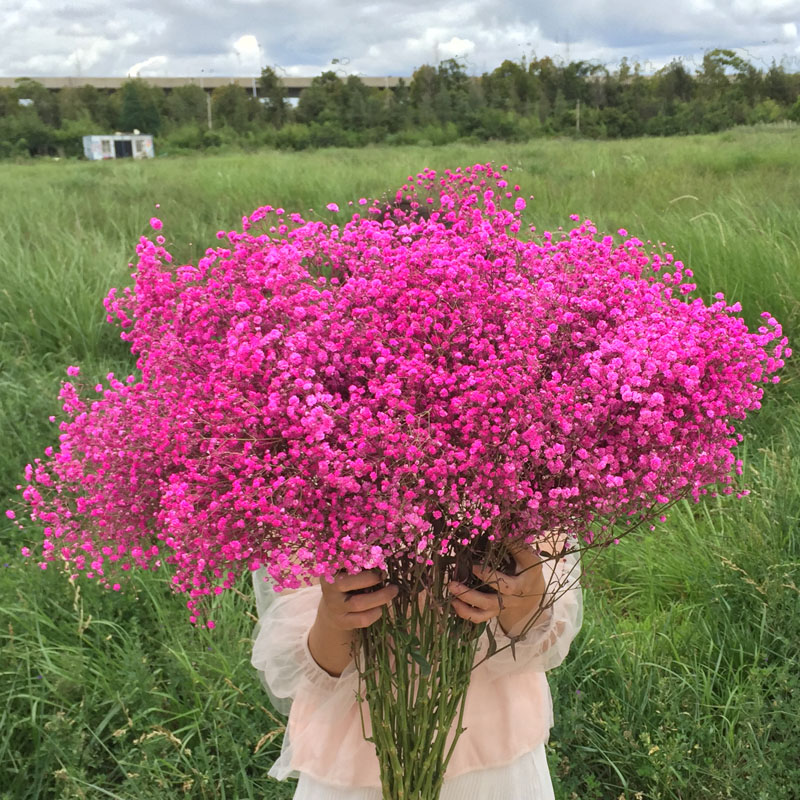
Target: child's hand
(346,612)
(516,596)
(340,614)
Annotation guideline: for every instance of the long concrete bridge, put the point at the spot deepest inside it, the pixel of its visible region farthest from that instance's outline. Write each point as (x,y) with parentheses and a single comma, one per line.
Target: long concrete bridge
(294,86)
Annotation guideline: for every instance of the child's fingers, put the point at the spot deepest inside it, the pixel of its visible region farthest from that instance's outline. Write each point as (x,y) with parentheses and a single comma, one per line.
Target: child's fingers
(363,580)
(505,584)
(471,613)
(472,597)
(355,603)
(363,619)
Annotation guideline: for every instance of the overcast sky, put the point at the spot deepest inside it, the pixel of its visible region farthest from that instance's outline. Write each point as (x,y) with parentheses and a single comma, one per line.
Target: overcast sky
(378,37)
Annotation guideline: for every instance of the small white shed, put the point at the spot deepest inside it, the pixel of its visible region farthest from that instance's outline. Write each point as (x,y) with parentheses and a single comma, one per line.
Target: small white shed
(118,145)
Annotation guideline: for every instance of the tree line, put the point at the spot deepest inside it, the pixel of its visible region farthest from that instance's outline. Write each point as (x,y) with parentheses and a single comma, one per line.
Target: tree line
(438,104)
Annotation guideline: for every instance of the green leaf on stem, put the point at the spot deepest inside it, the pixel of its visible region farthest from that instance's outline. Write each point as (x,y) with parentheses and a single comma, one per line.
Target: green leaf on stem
(424,666)
(492,642)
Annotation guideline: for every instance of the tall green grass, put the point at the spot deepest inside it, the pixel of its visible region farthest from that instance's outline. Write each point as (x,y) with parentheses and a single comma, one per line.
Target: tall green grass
(683,682)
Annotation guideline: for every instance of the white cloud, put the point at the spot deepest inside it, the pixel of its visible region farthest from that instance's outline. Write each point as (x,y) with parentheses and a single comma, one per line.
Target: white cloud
(379,37)
(787,7)
(150,66)
(85,57)
(456,48)
(246,45)
(248,54)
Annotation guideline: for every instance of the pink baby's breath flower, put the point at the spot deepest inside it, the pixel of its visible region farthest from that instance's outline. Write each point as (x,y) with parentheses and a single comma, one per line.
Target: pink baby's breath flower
(443,379)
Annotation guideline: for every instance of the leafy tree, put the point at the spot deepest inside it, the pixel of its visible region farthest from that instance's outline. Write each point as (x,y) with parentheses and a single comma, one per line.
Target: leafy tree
(185,105)
(727,86)
(25,133)
(233,106)
(361,107)
(100,107)
(71,105)
(424,93)
(575,79)
(274,94)
(321,101)
(545,75)
(765,111)
(139,106)
(397,109)
(749,82)
(511,87)
(778,85)
(455,89)
(9,102)
(673,84)
(45,102)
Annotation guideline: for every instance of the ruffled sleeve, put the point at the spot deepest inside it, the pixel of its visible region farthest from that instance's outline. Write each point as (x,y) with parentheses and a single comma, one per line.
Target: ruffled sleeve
(280,642)
(546,644)
(324,716)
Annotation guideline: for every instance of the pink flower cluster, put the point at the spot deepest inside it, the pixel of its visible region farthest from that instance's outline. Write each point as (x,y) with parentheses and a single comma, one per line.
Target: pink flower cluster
(313,397)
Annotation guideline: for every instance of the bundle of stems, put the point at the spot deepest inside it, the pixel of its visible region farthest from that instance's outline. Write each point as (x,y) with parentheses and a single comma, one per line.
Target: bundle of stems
(415,665)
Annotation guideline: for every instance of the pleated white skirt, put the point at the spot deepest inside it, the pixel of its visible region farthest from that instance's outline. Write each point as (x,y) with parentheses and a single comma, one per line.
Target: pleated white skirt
(527,778)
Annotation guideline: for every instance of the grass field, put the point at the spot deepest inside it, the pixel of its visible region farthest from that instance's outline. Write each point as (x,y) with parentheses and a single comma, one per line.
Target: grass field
(684,681)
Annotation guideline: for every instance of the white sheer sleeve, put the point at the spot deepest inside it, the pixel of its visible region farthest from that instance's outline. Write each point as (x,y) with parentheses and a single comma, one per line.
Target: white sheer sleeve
(280,641)
(546,643)
(323,715)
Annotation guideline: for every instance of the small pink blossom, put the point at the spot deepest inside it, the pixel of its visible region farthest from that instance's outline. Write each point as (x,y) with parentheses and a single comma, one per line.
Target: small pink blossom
(73,371)
(156,224)
(332,207)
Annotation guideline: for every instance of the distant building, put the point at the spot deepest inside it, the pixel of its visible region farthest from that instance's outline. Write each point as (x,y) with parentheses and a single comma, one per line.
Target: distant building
(118,145)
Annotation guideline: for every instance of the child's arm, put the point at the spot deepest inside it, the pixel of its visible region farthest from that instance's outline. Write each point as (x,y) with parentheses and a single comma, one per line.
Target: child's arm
(340,614)
(304,636)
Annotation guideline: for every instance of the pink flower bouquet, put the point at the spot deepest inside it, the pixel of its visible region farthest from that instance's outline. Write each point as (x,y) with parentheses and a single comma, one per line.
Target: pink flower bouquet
(419,383)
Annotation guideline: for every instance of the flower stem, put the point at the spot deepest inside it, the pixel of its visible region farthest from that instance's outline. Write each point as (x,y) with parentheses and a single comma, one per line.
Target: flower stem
(415,665)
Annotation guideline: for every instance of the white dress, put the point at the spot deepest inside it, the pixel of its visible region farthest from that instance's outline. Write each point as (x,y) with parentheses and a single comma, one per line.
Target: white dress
(527,778)
(508,712)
